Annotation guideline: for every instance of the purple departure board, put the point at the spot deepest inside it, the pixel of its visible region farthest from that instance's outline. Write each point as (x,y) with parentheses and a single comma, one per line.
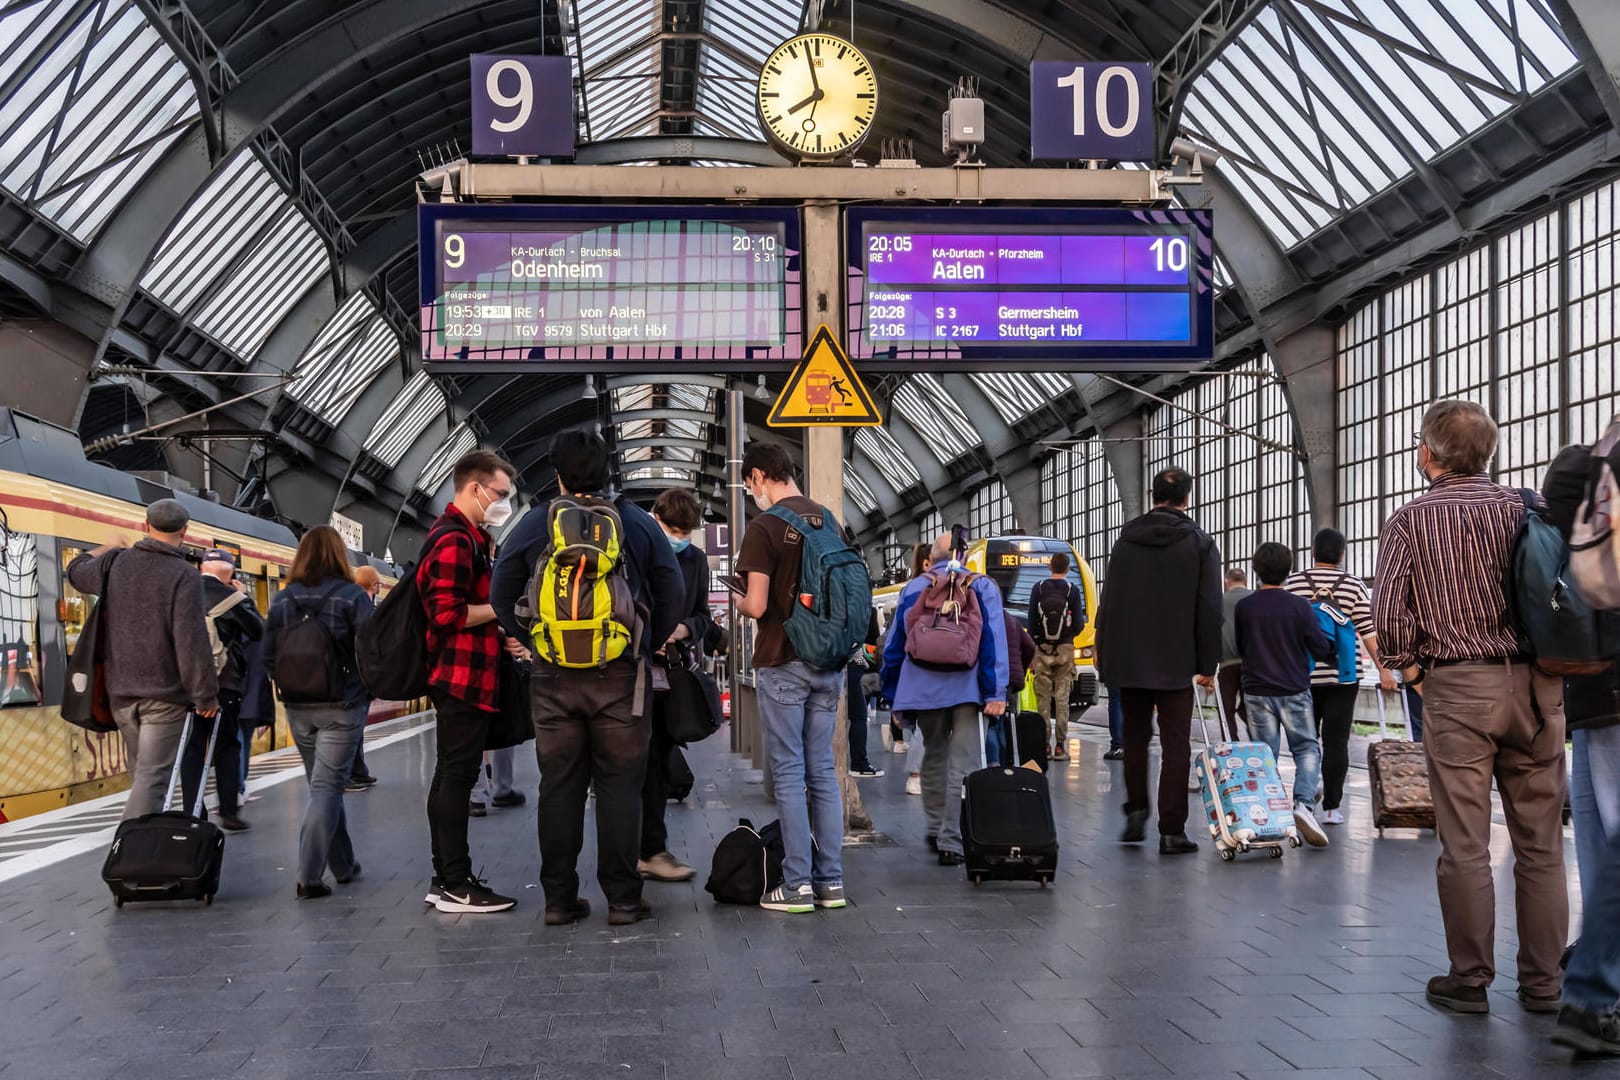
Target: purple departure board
(503,285)
(1109,284)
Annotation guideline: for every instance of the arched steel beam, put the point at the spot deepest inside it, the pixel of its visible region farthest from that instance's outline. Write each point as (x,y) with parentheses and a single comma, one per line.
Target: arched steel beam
(111,268)
(1594,35)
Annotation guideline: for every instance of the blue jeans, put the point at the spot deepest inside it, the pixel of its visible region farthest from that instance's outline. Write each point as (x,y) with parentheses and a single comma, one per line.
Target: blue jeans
(1593,979)
(1116,720)
(326,736)
(1414,709)
(798,707)
(1269,717)
(1594,802)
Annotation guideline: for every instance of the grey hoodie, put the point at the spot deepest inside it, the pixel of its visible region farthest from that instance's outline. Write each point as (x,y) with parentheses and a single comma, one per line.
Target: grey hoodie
(156,638)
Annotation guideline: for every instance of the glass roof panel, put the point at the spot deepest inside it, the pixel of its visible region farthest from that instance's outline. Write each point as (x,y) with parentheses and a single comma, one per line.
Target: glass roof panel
(1319,105)
(286,259)
(936,416)
(438,467)
(213,231)
(859,493)
(879,446)
(725,86)
(345,356)
(620,54)
(1015,394)
(416,406)
(90,116)
(687,473)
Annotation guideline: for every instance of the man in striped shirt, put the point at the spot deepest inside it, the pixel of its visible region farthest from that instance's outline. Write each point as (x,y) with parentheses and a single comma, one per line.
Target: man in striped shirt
(1334,701)
(1442,620)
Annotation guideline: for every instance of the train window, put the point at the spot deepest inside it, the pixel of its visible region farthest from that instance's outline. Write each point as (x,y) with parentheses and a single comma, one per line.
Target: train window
(75,604)
(19,618)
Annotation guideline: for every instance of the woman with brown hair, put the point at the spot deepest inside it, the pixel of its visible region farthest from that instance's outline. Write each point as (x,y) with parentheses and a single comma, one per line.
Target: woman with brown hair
(309,652)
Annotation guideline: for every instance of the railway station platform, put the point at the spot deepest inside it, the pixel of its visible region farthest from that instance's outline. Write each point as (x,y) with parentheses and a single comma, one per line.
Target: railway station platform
(1133,965)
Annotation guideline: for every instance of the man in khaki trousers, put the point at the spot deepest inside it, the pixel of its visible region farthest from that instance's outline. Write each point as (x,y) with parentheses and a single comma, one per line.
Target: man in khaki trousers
(1442,619)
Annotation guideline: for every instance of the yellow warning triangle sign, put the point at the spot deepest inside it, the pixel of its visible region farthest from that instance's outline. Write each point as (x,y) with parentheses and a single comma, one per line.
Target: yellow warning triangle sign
(824,389)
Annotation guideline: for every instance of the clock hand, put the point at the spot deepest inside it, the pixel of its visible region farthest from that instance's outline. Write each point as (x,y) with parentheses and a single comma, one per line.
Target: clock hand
(813,98)
(814,82)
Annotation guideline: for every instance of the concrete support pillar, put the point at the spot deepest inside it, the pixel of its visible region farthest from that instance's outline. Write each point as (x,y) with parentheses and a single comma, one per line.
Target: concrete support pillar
(1125,462)
(1306,361)
(824,446)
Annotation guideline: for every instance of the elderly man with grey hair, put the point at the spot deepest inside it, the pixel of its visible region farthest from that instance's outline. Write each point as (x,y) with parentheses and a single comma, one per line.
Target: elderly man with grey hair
(1442,616)
(159,663)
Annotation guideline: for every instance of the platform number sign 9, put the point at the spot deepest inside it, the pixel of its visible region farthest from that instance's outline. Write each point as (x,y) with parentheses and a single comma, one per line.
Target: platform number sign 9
(522,105)
(1091,110)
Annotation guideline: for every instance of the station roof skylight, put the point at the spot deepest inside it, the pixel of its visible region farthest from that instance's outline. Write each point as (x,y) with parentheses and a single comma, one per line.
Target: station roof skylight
(345,356)
(936,416)
(416,406)
(444,459)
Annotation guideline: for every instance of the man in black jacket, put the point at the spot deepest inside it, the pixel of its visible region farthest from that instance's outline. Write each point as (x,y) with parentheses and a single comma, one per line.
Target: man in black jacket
(236,622)
(591,724)
(679,515)
(1159,627)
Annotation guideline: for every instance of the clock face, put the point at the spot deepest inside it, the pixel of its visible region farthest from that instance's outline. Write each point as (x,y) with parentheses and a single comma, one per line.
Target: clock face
(817,96)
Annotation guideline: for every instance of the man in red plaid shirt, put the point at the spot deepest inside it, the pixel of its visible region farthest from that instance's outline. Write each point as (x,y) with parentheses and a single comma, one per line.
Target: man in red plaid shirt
(464,642)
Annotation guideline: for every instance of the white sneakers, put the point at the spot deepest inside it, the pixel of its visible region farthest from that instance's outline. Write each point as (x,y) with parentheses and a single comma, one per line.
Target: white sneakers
(913,785)
(1333,817)
(1308,828)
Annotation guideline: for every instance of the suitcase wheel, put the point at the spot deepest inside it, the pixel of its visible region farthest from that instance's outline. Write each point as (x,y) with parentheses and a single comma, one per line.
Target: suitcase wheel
(1044,880)
(1380,832)
(1226,854)
(1276,853)
(208,901)
(118,901)
(1298,841)
(977,879)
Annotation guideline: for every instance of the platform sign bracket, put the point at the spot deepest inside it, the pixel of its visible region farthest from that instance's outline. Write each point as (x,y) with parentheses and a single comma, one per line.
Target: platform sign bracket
(824,390)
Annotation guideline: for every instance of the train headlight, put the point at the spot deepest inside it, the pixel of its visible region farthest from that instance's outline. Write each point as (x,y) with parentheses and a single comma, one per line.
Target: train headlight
(1087,652)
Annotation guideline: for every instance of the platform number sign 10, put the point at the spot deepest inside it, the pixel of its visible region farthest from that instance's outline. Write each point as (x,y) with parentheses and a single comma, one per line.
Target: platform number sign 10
(1090,110)
(522,105)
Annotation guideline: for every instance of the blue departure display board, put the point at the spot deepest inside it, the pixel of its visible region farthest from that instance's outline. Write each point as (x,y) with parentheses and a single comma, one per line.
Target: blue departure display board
(1031,288)
(599,288)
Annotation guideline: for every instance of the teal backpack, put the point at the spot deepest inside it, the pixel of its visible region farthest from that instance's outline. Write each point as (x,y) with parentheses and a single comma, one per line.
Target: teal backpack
(826,632)
(1337,628)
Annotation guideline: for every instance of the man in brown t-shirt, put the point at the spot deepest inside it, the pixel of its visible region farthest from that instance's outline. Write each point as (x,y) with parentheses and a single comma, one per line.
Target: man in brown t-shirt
(798,704)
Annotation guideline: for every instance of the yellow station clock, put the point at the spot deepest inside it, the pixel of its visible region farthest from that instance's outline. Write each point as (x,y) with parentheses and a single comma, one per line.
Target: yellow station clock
(817,96)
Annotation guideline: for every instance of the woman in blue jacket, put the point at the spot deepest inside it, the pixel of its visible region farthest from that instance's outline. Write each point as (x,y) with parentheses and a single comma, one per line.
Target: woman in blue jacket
(946,704)
(319,682)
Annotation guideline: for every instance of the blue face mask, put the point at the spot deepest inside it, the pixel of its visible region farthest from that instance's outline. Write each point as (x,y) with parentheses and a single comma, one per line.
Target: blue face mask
(679,545)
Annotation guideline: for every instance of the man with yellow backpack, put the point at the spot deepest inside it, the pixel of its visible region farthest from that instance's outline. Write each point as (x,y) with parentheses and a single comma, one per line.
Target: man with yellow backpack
(589,582)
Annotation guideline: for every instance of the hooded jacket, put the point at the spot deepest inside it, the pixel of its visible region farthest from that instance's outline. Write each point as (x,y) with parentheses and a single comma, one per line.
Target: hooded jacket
(1159,622)
(1590,701)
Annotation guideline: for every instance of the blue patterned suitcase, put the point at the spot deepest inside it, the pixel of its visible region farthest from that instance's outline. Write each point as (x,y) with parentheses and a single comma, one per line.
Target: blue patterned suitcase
(1245,801)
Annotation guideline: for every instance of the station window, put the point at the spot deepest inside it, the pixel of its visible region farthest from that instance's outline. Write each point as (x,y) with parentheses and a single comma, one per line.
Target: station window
(19,619)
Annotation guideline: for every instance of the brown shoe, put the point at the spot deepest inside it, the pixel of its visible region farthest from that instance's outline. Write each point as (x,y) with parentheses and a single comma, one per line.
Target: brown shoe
(1454,994)
(665,867)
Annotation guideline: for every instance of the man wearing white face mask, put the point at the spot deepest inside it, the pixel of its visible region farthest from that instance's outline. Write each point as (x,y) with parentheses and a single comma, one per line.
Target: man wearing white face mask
(679,515)
(464,647)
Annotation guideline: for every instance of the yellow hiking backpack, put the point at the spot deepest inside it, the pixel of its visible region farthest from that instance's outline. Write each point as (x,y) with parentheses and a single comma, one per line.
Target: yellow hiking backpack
(582,609)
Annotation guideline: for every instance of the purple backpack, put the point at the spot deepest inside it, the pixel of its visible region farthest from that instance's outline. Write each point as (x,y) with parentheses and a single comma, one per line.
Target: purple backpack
(945,623)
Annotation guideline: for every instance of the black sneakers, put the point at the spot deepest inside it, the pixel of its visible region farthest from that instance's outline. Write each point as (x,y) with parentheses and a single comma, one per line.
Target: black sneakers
(1588,1032)
(472,897)
(1135,827)
(563,914)
(511,798)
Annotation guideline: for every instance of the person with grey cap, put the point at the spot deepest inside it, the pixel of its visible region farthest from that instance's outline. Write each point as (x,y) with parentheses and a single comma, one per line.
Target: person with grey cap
(233,623)
(159,662)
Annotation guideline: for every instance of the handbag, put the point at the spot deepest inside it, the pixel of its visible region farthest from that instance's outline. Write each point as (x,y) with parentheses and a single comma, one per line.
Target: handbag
(513,723)
(691,707)
(85,702)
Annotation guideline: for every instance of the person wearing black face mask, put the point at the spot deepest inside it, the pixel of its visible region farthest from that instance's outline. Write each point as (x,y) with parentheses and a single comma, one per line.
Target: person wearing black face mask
(679,515)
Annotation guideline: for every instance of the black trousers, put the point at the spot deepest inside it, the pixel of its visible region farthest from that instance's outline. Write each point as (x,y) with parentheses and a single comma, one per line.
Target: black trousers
(1229,684)
(1335,710)
(655,787)
(584,730)
(462,729)
(227,757)
(1175,754)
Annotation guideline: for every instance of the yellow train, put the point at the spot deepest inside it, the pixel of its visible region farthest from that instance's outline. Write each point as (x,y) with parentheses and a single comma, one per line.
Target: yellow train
(1017,564)
(53,505)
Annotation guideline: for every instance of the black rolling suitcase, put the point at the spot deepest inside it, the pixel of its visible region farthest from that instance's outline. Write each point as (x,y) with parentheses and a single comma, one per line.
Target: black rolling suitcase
(1008,833)
(169,855)
(1030,730)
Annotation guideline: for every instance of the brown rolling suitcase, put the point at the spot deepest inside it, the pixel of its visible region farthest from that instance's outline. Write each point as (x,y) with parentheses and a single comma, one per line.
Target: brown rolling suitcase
(1399,775)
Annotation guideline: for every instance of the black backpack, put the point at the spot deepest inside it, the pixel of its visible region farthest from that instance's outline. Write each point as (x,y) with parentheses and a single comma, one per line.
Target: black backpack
(391,647)
(309,670)
(747,864)
(1053,625)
